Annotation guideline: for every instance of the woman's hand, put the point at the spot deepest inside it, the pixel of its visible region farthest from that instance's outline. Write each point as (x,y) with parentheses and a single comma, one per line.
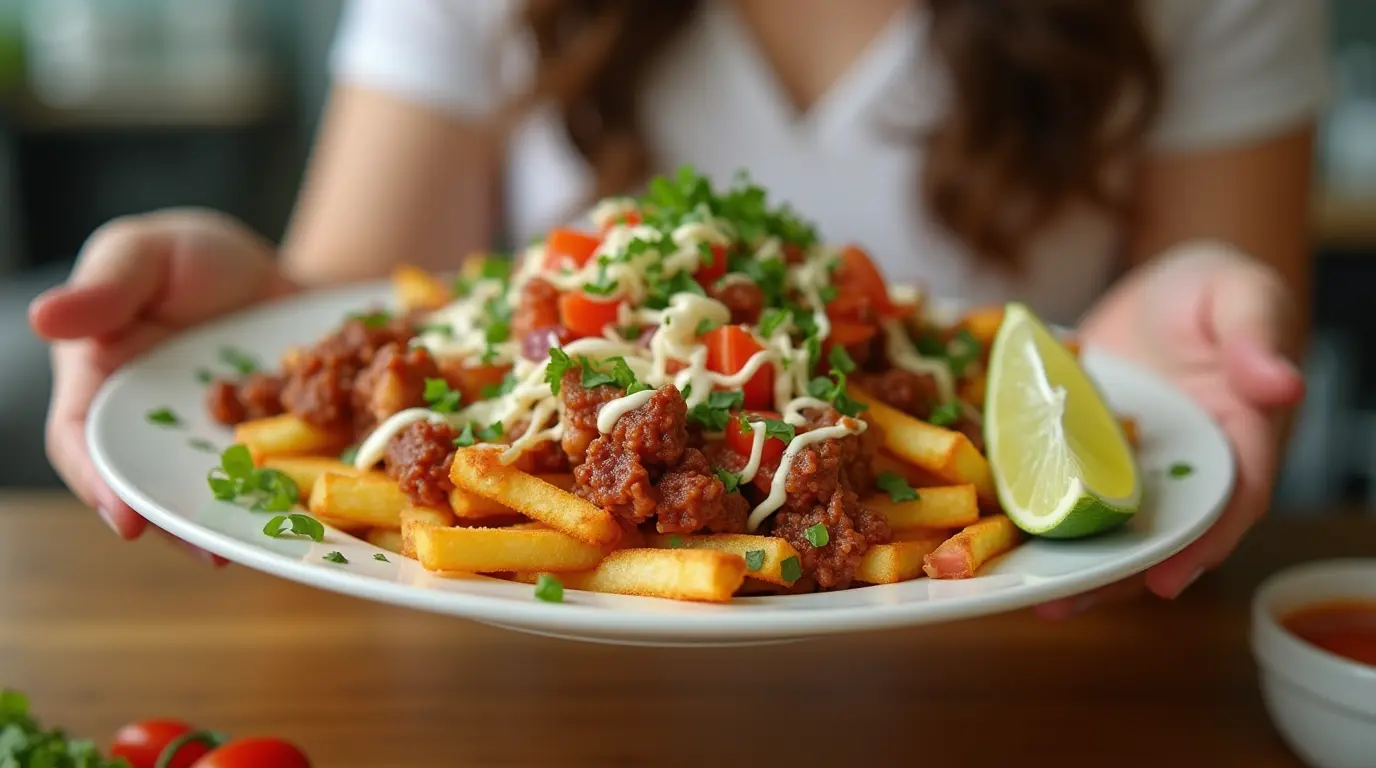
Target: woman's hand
(137,281)
(1221,326)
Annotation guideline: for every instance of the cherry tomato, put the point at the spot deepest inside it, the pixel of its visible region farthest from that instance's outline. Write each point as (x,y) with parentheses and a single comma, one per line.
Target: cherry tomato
(849,334)
(729,348)
(860,291)
(255,753)
(584,315)
(565,246)
(743,442)
(708,273)
(141,743)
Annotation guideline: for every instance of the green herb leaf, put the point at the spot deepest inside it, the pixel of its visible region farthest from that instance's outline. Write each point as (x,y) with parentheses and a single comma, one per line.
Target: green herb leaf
(204,376)
(440,397)
(817,535)
(300,525)
(706,325)
(380,557)
(237,462)
(490,391)
(962,351)
(438,329)
(163,417)
(629,332)
(944,415)
(675,542)
(203,445)
(491,433)
(336,557)
(715,414)
(465,438)
(559,363)
(730,480)
(495,268)
(772,320)
(604,285)
(827,293)
(549,589)
(376,319)
(240,361)
(1181,469)
(790,569)
(754,559)
(349,455)
(896,486)
(237,479)
(840,359)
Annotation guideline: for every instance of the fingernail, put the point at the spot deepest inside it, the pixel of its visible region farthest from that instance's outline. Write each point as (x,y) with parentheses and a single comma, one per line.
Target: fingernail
(109,518)
(1186,585)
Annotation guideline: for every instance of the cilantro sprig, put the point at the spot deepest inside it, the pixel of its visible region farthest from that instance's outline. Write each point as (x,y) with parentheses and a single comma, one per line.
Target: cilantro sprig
(715,413)
(440,396)
(470,436)
(944,415)
(731,481)
(896,486)
(236,479)
(298,524)
(25,742)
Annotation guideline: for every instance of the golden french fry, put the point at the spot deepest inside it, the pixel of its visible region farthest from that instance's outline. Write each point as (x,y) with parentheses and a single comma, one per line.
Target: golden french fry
(962,555)
(919,534)
(702,575)
(479,470)
(305,470)
(368,499)
(417,289)
(896,561)
(414,517)
(946,506)
(983,323)
(287,435)
(470,506)
(916,476)
(943,452)
(489,550)
(772,550)
(385,538)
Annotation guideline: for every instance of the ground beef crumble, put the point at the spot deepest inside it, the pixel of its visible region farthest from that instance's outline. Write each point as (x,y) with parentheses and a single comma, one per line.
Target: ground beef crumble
(392,382)
(256,397)
(580,412)
(744,300)
(419,458)
(851,531)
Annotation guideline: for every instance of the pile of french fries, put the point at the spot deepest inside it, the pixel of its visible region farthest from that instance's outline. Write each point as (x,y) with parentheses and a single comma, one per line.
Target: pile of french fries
(505,523)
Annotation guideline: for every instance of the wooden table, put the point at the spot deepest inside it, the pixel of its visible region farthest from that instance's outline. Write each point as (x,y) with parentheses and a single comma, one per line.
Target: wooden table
(99,632)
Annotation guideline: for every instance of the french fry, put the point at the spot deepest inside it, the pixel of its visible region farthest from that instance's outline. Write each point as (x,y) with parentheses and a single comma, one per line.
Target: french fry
(413,518)
(368,499)
(773,550)
(417,289)
(703,575)
(480,471)
(918,534)
(947,506)
(896,561)
(489,550)
(916,476)
(962,555)
(944,452)
(287,435)
(973,388)
(385,538)
(305,470)
(470,506)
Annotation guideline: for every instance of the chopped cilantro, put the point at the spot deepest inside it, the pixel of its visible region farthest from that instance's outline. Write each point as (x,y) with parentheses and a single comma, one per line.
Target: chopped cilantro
(780,430)
(929,345)
(507,384)
(549,589)
(790,569)
(469,436)
(944,415)
(163,417)
(203,445)
(729,480)
(604,285)
(24,743)
(714,414)
(629,332)
(660,290)
(675,542)
(349,455)
(1181,469)
(440,397)
(896,486)
(962,351)
(840,359)
(300,525)
(495,268)
(204,376)
(380,557)
(827,293)
(240,361)
(336,557)
(438,329)
(375,319)
(559,363)
(754,560)
(772,320)
(706,325)
(237,479)
(593,377)
(465,438)
(817,535)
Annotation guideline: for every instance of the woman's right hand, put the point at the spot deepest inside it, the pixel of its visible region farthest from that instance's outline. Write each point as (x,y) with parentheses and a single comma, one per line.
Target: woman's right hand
(137,281)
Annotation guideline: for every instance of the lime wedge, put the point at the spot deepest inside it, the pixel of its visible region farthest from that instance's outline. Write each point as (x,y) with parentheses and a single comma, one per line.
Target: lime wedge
(1061,464)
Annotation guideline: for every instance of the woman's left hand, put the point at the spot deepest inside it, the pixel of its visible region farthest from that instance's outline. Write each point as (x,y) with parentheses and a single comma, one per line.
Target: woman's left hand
(1222,327)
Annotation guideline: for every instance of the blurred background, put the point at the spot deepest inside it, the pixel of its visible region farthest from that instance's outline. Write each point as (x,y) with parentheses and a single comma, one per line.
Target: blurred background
(109,107)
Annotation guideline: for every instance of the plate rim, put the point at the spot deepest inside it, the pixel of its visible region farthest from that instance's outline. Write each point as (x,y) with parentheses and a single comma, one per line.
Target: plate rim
(571,617)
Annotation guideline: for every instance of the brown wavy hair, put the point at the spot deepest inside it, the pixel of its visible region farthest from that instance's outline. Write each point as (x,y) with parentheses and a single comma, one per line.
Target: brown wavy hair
(1048,96)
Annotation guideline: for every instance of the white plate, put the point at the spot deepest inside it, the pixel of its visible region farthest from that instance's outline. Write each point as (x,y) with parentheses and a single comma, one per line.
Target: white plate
(158,473)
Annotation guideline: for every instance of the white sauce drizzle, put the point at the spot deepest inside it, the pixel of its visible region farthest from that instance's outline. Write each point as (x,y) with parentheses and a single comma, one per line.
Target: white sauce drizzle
(371,450)
(612,412)
(777,486)
(756,451)
(902,354)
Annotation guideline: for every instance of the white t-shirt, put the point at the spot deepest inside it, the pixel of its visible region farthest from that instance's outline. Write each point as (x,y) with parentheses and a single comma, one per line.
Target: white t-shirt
(1237,70)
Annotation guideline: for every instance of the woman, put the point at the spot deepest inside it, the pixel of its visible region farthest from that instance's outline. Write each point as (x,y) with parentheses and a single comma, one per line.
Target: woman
(1143,168)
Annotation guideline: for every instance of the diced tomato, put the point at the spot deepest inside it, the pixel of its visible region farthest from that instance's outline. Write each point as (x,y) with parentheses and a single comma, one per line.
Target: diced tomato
(851,334)
(860,290)
(708,273)
(584,315)
(793,253)
(743,442)
(470,381)
(729,348)
(630,219)
(569,246)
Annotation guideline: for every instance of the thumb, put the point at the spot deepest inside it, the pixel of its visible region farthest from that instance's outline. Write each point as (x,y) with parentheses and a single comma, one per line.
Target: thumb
(1252,322)
(120,270)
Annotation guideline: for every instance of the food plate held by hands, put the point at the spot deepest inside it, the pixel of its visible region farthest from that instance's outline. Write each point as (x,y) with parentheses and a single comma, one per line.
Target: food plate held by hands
(697,404)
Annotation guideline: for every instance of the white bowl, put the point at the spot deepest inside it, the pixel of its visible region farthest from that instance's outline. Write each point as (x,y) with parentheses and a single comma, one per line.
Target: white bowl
(1324,705)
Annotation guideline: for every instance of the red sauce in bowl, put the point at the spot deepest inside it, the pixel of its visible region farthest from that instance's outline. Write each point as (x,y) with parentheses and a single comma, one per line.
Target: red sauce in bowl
(1346,628)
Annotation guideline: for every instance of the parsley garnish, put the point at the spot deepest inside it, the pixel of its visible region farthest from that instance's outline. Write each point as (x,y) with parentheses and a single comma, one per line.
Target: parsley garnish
(495,269)
(380,557)
(164,417)
(780,430)
(238,360)
(772,320)
(834,391)
(549,589)
(605,285)
(754,559)
(439,329)
(944,415)
(729,480)
(469,436)
(817,535)
(204,376)
(236,479)
(490,391)
(896,486)
(203,445)
(707,325)
(790,569)
(24,743)
(1181,469)
(440,397)
(629,332)
(336,557)
(840,359)
(559,363)
(714,414)
(827,293)
(675,542)
(659,290)
(963,350)
(300,525)
(376,319)
(620,375)
(349,455)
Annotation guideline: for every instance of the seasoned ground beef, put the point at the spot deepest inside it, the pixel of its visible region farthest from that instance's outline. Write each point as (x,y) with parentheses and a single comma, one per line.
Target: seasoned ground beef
(418,458)
(580,412)
(691,497)
(915,394)
(613,478)
(393,382)
(851,531)
(257,397)
(320,381)
(656,431)
(745,300)
(537,308)
(543,458)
